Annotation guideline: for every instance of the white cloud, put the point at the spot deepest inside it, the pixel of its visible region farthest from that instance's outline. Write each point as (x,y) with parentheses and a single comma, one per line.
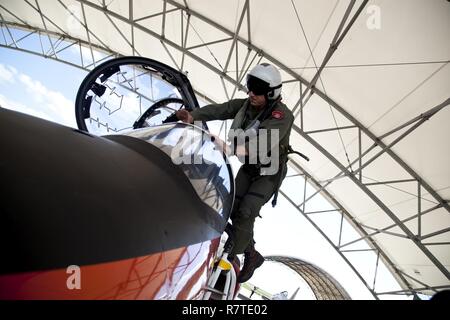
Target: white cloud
(51,102)
(7,73)
(17,106)
(41,101)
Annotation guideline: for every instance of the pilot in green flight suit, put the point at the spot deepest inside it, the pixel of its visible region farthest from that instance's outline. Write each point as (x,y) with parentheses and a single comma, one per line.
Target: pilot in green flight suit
(263,109)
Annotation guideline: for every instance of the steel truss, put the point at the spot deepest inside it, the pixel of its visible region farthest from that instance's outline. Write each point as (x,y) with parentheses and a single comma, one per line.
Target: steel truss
(307,89)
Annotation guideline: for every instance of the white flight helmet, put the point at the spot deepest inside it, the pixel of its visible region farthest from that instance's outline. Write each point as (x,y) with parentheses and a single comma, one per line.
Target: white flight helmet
(270,76)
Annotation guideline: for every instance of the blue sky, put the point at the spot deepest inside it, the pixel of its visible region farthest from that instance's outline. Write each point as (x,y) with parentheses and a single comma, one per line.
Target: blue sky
(44,88)
(57,76)
(28,81)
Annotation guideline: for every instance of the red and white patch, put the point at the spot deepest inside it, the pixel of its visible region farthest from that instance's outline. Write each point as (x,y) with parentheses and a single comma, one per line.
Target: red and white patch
(277,115)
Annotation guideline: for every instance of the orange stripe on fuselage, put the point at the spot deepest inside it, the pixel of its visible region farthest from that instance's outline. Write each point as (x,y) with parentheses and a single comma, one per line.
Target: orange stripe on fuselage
(174,274)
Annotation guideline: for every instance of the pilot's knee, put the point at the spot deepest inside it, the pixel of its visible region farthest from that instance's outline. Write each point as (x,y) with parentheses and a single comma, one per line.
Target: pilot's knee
(246,213)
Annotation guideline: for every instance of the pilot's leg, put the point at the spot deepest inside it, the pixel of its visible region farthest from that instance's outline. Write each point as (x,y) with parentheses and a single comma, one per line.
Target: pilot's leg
(259,192)
(242,184)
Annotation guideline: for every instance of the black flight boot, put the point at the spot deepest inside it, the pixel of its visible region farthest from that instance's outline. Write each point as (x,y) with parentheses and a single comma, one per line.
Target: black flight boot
(252,260)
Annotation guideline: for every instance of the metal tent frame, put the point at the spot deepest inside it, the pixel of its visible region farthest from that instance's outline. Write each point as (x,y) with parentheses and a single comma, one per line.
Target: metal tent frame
(55,39)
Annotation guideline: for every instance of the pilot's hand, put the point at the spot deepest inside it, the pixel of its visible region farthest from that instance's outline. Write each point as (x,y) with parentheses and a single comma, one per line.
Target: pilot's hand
(184,116)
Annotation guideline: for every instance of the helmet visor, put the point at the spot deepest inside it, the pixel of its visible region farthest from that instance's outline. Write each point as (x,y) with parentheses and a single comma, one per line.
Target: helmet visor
(257,86)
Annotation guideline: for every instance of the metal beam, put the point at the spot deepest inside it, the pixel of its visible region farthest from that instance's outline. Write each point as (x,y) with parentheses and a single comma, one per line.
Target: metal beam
(376,200)
(154,15)
(131,44)
(436,243)
(332,200)
(163,27)
(334,44)
(338,37)
(9,32)
(435,288)
(332,244)
(391,226)
(131,17)
(432,234)
(378,142)
(236,33)
(330,129)
(322,211)
(208,43)
(188,27)
(38,9)
(381,231)
(90,32)
(358,250)
(385,148)
(390,152)
(389,182)
(163,39)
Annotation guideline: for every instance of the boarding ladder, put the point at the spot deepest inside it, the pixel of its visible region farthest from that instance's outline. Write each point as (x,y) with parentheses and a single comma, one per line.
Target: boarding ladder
(225,268)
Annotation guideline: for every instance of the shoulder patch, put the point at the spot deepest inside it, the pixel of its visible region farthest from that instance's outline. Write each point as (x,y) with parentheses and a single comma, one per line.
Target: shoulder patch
(277,114)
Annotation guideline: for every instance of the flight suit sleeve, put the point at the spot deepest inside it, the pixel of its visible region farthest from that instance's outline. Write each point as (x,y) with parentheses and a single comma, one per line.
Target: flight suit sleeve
(221,111)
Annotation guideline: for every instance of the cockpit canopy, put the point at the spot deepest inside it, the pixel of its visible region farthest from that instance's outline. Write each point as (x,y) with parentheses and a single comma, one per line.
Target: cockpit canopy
(193,150)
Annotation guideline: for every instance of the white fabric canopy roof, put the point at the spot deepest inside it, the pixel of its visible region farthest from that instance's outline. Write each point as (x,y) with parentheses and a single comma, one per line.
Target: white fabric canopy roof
(389,68)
